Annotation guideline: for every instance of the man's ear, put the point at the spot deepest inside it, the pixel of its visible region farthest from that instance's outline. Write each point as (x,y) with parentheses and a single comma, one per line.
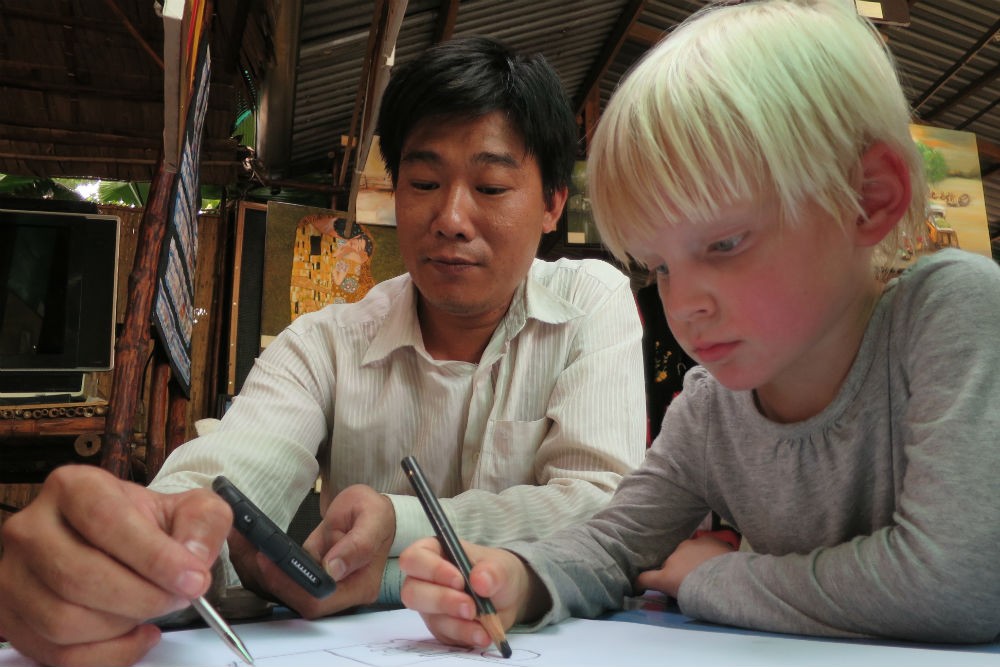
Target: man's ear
(553,209)
(885,193)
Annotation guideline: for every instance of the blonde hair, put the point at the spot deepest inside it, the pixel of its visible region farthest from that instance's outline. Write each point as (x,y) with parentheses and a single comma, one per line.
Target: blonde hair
(766,98)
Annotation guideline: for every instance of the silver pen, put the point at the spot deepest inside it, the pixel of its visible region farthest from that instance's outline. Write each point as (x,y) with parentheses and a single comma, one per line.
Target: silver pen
(221,628)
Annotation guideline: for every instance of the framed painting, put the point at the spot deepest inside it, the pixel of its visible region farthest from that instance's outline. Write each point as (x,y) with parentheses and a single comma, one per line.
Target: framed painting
(578,216)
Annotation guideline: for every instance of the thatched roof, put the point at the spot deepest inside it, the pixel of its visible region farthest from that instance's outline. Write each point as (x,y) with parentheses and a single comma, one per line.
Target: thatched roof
(81,85)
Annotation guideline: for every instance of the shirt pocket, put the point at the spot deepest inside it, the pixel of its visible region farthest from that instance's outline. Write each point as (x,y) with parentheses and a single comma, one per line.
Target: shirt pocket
(509,451)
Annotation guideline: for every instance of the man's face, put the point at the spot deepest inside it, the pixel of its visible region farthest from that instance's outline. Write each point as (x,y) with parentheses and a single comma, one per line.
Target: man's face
(470,213)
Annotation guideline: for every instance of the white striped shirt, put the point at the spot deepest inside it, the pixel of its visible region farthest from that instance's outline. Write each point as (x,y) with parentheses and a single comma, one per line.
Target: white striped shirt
(534,437)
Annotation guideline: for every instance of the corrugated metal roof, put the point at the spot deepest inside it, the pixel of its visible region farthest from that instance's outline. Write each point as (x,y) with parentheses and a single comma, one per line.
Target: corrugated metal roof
(574,34)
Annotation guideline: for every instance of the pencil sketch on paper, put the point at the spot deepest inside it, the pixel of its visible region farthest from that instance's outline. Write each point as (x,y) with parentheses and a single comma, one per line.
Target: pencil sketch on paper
(397,653)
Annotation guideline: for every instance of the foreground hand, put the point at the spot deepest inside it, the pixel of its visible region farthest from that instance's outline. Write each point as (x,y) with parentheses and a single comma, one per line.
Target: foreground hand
(687,557)
(435,588)
(352,543)
(93,557)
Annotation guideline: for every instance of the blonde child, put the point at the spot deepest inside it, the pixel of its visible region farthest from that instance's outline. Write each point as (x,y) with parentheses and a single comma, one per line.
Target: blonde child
(759,160)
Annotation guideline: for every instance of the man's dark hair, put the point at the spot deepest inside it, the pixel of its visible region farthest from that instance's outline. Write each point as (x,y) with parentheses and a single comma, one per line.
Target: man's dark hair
(471,77)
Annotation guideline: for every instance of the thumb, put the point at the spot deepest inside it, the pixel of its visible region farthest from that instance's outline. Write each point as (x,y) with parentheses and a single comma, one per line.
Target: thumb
(201,521)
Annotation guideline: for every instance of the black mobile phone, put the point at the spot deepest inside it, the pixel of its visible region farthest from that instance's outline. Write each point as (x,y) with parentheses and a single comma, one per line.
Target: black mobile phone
(273,542)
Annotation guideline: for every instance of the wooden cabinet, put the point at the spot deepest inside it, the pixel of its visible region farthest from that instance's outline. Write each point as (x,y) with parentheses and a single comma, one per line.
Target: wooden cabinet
(36,438)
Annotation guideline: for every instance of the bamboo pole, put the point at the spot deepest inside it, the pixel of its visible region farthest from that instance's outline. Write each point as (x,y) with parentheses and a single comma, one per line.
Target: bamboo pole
(132,346)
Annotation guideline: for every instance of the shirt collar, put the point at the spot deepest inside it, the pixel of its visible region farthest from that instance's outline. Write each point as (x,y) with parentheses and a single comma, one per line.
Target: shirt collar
(532,300)
(400,328)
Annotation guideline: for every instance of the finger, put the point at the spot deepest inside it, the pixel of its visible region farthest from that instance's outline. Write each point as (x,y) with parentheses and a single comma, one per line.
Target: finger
(126,649)
(320,540)
(650,579)
(44,614)
(424,560)
(244,557)
(432,598)
(62,569)
(357,549)
(201,521)
(279,586)
(359,527)
(130,524)
(191,524)
(457,632)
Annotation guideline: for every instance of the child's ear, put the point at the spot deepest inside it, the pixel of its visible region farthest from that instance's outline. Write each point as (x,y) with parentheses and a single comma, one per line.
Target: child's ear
(885,192)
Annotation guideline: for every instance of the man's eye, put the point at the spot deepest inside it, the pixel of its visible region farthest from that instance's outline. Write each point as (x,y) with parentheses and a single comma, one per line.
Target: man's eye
(661,270)
(423,185)
(492,189)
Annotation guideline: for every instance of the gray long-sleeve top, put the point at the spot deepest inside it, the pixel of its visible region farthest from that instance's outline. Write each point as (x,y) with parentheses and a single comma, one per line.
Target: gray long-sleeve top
(880,516)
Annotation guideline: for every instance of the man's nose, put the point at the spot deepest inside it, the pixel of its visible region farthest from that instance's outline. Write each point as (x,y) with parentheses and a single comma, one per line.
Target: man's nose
(454,214)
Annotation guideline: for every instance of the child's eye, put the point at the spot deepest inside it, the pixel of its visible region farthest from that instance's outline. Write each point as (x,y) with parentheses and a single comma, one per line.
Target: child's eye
(727,244)
(661,270)
(423,185)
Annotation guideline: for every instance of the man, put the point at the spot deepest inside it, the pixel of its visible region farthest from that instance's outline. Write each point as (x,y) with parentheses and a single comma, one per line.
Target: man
(516,383)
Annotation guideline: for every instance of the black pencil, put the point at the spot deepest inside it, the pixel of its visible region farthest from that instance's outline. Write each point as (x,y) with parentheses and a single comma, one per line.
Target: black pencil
(453,549)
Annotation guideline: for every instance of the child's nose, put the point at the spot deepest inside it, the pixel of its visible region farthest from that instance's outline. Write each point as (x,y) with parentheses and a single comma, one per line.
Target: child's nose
(685,298)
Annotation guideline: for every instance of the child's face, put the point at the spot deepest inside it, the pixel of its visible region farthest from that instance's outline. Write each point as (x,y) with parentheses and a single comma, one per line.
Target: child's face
(774,308)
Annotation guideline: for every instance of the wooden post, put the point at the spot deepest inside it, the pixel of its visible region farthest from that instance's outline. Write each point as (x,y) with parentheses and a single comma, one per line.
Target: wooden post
(176,422)
(156,434)
(132,346)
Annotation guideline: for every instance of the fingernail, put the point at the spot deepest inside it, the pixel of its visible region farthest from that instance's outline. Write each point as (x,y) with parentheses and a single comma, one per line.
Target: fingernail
(466,611)
(336,568)
(177,604)
(481,638)
(198,549)
(191,583)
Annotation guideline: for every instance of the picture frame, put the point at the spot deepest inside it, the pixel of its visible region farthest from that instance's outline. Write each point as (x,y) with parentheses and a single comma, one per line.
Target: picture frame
(578,218)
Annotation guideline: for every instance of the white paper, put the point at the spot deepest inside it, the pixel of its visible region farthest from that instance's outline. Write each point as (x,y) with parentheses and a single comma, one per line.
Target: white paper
(400,639)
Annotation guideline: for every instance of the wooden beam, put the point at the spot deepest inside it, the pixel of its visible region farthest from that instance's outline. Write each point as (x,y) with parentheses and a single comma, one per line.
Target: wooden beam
(101,159)
(60,18)
(34,157)
(987,37)
(153,95)
(645,34)
(371,48)
(444,27)
(381,49)
(135,33)
(275,116)
(984,80)
(612,45)
(78,135)
(591,112)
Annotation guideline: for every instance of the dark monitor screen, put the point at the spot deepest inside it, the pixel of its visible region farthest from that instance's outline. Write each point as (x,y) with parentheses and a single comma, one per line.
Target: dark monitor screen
(58,277)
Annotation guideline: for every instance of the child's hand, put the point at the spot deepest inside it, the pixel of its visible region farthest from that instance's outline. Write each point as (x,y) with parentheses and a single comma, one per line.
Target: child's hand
(435,588)
(688,555)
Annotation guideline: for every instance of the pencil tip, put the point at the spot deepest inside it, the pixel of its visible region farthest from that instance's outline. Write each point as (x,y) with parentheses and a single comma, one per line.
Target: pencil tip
(505,649)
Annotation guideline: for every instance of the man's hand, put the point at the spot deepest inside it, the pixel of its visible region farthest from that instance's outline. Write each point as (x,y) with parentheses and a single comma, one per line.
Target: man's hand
(352,543)
(435,588)
(93,557)
(688,555)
